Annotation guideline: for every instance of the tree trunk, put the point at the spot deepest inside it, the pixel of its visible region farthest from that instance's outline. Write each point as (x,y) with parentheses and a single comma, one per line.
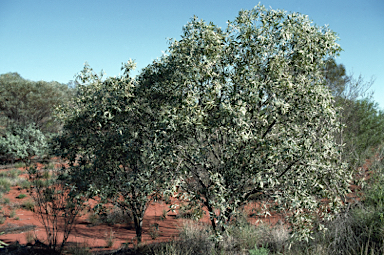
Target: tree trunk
(211,213)
(138,227)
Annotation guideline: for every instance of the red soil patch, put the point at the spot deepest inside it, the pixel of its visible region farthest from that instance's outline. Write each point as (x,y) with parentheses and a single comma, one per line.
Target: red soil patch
(84,232)
(24,222)
(95,236)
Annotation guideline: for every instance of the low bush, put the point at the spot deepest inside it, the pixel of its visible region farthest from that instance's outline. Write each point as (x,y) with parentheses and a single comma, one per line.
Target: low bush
(5,185)
(110,238)
(22,142)
(24,184)
(21,196)
(28,205)
(55,205)
(6,200)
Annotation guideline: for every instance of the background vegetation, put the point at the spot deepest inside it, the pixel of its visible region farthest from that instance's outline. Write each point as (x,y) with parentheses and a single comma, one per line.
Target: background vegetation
(259,111)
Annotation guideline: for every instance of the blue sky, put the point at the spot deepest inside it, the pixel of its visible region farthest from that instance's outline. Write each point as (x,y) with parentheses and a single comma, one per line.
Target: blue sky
(51,40)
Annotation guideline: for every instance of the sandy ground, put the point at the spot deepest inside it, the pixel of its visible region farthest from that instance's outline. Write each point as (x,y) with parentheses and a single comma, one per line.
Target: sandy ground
(25,223)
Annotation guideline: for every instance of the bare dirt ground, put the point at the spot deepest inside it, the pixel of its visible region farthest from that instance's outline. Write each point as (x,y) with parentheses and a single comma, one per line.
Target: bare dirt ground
(22,224)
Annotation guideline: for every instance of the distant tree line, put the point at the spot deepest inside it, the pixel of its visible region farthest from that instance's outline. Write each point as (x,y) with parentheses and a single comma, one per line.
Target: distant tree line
(26,120)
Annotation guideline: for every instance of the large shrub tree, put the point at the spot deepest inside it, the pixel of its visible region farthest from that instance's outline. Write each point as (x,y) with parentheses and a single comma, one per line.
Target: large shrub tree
(251,116)
(112,140)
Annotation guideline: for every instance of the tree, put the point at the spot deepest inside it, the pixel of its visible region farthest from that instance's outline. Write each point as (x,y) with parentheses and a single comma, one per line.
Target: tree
(250,115)
(360,116)
(26,120)
(111,139)
(364,127)
(25,102)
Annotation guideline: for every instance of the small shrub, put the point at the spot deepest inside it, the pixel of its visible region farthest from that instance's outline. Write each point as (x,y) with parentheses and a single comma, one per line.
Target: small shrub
(19,164)
(154,231)
(6,201)
(259,251)
(23,142)
(24,184)
(188,211)
(14,206)
(2,219)
(12,214)
(46,175)
(51,165)
(21,196)
(78,249)
(41,183)
(29,205)
(93,219)
(30,237)
(14,173)
(167,199)
(57,198)
(110,238)
(114,216)
(5,185)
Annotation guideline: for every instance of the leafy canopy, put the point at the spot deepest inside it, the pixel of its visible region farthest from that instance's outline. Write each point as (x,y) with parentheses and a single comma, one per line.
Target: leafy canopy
(26,115)
(111,138)
(25,102)
(250,115)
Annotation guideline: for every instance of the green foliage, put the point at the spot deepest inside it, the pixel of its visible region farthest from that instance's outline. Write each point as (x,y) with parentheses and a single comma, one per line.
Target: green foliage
(113,137)
(259,251)
(25,102)
(10,173)
(12,214)
(249,114)
(22,142)
(21,196)
(154,231)
(364,128)
(29,205)
(19,164)
(5,185)
(55,202)
(362,119)
(336,77)
(6,200)
(24,184)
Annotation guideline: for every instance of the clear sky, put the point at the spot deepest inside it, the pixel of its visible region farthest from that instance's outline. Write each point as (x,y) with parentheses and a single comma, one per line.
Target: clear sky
(51,40)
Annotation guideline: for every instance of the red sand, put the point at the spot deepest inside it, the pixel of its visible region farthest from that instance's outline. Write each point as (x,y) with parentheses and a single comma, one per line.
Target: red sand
(84,232)
(95,237)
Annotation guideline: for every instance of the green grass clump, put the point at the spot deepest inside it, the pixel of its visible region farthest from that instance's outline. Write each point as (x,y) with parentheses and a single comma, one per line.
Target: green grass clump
(19,164)
(24,184)
(259,251)
(12,214)
(28,205)
(14,173)
(21,196)
(6,200)
(5,185)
